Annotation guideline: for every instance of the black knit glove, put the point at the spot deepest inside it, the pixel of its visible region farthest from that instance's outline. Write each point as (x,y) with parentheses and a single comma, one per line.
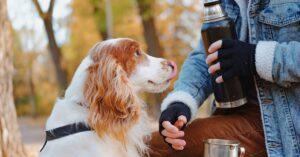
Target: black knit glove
(172,113)
(236,58)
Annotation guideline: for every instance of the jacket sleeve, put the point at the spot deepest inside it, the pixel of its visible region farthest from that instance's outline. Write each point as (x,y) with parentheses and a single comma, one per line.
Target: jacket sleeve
(194,84)
(278,62)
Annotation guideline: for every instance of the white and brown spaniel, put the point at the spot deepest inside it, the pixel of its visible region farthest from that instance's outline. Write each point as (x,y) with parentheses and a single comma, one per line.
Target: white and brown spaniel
(103,95)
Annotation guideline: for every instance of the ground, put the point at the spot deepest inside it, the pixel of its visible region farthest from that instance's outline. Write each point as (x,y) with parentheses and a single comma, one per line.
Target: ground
(32,131)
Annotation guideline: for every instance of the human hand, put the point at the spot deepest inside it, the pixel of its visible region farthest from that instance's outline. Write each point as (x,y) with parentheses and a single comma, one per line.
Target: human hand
(231,58)
(172,122)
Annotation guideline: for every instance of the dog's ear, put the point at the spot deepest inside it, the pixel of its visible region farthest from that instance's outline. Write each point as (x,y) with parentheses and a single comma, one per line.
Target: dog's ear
(114,107)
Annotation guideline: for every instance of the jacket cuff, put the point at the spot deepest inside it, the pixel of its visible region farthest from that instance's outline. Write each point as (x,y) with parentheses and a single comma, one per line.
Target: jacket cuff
(184,97)
(264,58)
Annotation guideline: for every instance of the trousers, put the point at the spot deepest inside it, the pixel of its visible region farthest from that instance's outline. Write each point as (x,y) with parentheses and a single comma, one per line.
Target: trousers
(242,123)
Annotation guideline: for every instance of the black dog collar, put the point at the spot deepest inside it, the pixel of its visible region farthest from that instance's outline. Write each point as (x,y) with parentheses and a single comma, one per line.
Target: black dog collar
(65,131)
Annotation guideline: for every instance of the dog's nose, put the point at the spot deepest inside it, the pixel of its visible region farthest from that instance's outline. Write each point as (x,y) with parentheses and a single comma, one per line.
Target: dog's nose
(169,64)
(174,69)
(172,65)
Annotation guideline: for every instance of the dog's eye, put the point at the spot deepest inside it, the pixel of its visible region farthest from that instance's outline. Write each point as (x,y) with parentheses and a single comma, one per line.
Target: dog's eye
(137,53)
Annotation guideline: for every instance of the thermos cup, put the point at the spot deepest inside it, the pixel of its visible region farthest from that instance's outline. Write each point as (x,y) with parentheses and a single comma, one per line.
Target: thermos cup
(217,25)
(223,148)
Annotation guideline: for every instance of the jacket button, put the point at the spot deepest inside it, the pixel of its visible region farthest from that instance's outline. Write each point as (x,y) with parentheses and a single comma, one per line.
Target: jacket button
(267,101)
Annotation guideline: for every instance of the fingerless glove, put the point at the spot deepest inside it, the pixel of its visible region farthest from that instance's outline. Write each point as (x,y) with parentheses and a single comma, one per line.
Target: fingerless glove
(172,113)
(236,58)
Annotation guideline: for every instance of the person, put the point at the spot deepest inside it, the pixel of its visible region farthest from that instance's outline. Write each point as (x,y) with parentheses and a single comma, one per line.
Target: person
(266,57)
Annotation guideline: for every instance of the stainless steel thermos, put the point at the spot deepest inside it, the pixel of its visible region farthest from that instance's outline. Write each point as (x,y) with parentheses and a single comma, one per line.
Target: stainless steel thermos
(217,25)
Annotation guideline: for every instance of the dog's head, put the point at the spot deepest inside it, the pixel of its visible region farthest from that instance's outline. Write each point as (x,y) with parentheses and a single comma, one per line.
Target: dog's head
(111,75)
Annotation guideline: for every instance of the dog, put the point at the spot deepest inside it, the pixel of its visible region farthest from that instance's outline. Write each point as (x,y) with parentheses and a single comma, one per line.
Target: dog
(101,114)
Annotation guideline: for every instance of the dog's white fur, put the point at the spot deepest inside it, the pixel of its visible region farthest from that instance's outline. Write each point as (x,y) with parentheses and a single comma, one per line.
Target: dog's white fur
(89,144)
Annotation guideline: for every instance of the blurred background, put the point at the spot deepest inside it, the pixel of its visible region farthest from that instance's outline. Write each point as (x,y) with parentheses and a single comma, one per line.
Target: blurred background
(50,38)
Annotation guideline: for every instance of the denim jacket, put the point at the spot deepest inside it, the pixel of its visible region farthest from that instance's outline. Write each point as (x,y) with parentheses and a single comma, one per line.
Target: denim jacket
(274,25)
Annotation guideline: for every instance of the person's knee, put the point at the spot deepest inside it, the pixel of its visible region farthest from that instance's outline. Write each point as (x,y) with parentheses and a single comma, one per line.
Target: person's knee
(157,146)
(156,139)
(196,132)
(202,129)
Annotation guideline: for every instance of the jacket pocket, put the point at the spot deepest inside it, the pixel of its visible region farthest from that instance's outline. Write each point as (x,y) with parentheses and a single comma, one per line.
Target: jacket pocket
(281,22)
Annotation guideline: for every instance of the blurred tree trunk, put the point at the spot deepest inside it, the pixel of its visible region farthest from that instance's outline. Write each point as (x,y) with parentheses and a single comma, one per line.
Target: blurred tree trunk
(102,12)
(32,93)
(154,47)
(55,50)
(10,138)
(150,33)
(109,18)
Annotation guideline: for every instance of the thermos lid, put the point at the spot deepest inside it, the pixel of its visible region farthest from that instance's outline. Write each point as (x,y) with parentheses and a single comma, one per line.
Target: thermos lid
(211,2)
(213,10)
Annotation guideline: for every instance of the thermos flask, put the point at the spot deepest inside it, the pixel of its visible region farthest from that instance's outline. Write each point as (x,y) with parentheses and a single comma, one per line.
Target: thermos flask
(217,25)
